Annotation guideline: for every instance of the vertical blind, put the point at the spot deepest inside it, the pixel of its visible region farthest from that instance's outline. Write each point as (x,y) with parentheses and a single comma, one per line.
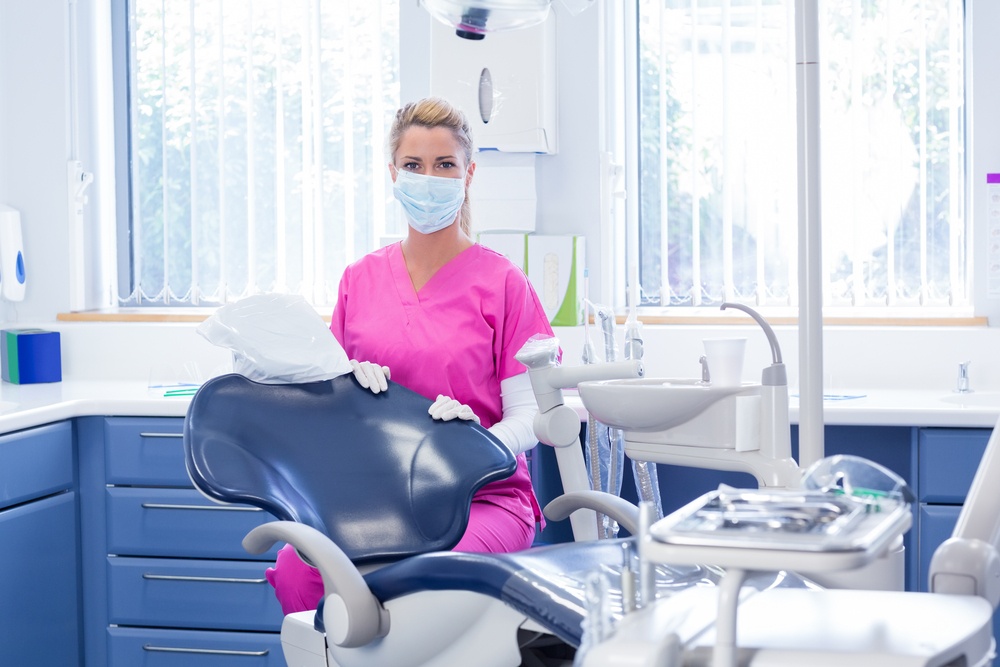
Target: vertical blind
(257,131)
(717,155)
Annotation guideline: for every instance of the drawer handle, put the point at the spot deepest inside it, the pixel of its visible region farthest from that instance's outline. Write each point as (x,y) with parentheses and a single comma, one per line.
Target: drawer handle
(205,651)
(222,508)
(161,435)
(222,580)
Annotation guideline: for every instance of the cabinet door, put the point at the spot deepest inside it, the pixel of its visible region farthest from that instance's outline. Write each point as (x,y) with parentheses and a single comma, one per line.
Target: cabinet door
(39,598)
(935,525)
(937,522)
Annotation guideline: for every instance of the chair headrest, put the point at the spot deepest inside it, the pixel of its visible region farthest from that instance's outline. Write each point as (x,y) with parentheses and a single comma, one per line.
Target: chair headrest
(374,472)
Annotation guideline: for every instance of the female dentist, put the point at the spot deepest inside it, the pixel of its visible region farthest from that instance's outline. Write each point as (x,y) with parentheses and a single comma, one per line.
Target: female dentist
(447,316)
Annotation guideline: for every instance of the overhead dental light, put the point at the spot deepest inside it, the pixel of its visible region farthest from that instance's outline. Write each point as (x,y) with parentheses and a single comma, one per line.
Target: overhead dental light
(472,19)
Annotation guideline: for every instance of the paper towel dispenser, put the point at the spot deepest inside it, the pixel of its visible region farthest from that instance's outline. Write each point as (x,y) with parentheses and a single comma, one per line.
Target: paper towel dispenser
(506,85)
(12,274)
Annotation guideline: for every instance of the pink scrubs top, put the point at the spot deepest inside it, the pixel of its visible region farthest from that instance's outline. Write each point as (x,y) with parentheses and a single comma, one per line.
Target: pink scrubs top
(457,336)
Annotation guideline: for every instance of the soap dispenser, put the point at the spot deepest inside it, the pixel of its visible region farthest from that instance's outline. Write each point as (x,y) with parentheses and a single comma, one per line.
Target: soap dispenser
(12,275)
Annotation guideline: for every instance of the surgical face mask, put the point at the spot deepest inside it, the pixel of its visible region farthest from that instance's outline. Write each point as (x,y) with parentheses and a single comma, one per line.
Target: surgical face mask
(431,203)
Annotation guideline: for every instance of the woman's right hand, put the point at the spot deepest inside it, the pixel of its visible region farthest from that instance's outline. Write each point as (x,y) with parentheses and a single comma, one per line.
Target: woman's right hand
(371,376)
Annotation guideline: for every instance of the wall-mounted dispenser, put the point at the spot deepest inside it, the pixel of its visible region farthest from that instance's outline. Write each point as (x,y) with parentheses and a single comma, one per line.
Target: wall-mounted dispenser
(505,84)
(12,274)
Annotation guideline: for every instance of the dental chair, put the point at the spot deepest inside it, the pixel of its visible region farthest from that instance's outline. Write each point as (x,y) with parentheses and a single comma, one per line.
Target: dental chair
(374,492)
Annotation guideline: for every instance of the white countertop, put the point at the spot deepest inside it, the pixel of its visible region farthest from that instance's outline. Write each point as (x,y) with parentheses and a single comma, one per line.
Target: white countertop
(25,406)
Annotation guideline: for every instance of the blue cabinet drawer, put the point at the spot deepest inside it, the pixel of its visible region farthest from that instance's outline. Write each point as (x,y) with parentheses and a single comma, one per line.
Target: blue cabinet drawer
(947,462)
(36,463)
(175,593)
(179,523)
(148,647)
(144,450)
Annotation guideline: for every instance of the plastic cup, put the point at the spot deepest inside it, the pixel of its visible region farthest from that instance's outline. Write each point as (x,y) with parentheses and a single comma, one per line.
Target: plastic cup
(725,360)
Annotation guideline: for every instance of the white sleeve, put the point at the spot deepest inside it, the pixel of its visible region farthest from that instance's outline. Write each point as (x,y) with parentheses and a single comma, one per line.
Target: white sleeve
(516,428)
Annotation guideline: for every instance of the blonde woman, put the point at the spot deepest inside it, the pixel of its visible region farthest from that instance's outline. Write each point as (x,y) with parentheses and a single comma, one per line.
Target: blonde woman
(447,316)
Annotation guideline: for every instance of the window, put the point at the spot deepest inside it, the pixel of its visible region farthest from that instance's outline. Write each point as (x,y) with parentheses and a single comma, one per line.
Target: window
(256,146)
(717,174)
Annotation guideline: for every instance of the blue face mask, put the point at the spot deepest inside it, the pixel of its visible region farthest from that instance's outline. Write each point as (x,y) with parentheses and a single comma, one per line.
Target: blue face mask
(431,203)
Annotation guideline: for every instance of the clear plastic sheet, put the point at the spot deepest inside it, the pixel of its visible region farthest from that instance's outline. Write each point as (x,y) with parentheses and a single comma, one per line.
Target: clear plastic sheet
(276,338)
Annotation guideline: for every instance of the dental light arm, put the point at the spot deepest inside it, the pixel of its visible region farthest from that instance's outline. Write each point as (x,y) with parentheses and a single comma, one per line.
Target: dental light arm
(351,614)
(968,563)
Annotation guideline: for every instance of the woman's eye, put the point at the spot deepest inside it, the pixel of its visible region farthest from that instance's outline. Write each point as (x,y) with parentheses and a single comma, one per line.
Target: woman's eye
(410,166)
(446,165)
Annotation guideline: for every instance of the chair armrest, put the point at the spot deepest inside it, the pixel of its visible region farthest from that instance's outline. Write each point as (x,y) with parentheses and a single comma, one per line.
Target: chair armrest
(616,507)
(352,615)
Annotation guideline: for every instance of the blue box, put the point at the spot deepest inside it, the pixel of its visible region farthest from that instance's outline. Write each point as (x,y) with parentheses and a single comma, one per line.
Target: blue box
(30,356)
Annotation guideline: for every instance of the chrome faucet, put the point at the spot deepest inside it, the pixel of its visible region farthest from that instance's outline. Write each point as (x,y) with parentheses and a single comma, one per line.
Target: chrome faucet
(706,377)
(963,378)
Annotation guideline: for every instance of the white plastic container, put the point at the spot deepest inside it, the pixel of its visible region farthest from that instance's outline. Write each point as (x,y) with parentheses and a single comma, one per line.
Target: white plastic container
(12,274)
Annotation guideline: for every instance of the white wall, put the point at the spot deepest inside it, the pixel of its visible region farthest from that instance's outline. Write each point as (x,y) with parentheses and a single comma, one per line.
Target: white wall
(34,147)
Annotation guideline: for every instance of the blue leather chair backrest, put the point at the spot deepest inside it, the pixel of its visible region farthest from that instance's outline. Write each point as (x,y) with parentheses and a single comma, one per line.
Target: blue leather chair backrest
(374,472)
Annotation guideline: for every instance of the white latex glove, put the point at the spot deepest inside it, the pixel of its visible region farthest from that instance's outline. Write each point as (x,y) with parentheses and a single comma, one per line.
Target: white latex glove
(371,376)
(446,409)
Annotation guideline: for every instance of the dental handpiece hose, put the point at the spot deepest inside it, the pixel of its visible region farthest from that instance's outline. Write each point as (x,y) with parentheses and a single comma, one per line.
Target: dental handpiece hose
(593,450)
(644,473)
(615,446)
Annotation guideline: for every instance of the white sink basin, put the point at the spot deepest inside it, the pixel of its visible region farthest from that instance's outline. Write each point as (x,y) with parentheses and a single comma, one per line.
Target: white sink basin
(650,404)
(986,399)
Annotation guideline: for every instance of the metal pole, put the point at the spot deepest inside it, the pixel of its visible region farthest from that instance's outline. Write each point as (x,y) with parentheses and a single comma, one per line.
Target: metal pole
(811,446)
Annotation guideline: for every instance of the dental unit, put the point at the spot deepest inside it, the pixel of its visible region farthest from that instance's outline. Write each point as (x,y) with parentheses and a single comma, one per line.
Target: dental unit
(710,584)
(695,423)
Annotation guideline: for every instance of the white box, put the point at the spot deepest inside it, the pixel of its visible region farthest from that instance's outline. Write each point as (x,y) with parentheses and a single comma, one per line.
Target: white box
(512,246)
(503,192)
(555,270)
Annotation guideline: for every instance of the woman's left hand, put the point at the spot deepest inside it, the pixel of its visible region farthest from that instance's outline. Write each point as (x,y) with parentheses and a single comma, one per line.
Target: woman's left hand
(446,409)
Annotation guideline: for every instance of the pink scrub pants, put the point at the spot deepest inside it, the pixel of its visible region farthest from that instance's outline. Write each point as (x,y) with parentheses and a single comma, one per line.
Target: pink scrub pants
(491,529)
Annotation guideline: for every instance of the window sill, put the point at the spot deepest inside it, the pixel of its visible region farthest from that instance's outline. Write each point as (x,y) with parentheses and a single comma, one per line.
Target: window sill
(872,321)
(200,314)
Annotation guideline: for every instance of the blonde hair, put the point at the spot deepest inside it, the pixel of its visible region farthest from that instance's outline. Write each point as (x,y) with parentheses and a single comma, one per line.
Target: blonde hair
(434,112)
